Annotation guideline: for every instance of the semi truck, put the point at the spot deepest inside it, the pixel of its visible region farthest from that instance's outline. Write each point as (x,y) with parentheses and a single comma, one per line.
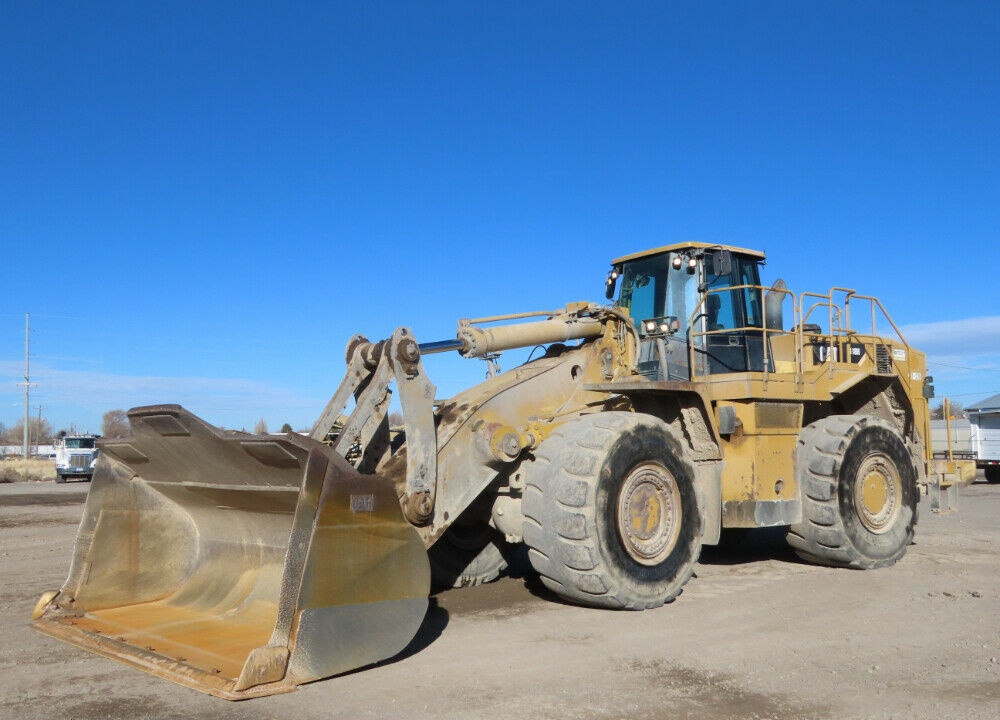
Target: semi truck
(76,456)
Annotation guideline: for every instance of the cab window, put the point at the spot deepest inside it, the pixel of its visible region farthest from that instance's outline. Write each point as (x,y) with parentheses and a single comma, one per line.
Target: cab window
(644,288)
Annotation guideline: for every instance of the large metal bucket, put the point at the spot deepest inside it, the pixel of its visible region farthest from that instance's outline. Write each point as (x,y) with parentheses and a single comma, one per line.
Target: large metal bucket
(239,565)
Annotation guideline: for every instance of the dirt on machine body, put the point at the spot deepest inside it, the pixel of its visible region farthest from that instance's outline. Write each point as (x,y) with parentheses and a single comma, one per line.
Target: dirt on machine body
(246,565)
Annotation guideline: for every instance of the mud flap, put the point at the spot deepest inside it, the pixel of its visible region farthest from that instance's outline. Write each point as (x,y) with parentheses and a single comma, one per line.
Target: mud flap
(239,565)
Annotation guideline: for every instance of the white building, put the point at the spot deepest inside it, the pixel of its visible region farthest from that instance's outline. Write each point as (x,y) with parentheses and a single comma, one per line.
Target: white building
(41,451)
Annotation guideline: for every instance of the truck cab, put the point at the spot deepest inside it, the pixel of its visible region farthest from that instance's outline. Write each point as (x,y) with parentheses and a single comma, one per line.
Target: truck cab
(76,456)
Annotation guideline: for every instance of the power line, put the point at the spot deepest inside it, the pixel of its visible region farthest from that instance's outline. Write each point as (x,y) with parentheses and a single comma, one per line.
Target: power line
(980,393)
(960,367)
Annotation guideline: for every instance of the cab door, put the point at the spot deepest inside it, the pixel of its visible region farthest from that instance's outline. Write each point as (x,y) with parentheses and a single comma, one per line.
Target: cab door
(734,339)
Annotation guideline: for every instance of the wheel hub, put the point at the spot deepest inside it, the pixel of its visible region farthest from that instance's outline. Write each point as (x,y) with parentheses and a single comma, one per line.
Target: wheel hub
(878,493)
(649,507)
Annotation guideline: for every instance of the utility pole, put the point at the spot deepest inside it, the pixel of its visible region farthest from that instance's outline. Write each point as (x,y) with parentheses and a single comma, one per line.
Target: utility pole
(38,431)
(27,391)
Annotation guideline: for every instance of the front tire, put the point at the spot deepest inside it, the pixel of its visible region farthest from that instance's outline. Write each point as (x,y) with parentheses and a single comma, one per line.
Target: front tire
(611,512)
(859,493)
(60,478)
(468,555)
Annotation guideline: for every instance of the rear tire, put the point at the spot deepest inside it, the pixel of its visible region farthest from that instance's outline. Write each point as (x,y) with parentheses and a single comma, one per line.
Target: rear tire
(611,513)
(859,493)
(992,474)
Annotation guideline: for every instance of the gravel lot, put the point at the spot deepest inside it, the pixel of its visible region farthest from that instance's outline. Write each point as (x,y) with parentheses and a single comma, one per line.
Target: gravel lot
(756,634)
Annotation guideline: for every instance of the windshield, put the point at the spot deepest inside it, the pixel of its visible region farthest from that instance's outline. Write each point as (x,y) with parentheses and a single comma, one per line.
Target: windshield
(79,443)
(652,288)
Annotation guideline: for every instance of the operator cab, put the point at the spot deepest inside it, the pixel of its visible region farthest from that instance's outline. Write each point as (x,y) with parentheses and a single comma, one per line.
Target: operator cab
(693,294)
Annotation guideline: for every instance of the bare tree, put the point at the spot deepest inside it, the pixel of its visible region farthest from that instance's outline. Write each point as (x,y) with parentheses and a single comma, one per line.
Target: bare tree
(957,411)
(260,427)
(114,424)
(39,432)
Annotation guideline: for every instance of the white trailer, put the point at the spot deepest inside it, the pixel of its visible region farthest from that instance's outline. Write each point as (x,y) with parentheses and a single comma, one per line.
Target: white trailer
(959,444)
(984,419)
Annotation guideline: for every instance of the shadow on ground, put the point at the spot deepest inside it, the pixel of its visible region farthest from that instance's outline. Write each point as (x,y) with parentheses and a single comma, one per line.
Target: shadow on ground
(741,545)
(435,621)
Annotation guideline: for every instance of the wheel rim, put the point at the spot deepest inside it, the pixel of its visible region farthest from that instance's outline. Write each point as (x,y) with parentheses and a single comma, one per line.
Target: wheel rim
(878,493)
(649,513)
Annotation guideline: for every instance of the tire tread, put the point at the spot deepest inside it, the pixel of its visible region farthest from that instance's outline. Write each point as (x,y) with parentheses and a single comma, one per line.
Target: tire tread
(822,537)
(558,496)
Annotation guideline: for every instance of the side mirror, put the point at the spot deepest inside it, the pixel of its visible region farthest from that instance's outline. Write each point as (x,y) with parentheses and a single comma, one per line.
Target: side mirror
(720,263)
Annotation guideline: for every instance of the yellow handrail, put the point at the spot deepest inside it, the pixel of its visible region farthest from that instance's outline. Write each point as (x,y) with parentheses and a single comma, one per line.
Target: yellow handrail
(839,322)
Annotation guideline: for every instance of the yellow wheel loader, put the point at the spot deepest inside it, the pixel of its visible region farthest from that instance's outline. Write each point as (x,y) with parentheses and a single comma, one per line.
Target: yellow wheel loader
(245,565)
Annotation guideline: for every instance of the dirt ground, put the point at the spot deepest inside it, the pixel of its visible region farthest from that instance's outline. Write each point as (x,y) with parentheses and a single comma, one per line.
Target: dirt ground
(756,634)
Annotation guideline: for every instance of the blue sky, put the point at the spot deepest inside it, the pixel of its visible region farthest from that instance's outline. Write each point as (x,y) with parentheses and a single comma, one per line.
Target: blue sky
(200,202)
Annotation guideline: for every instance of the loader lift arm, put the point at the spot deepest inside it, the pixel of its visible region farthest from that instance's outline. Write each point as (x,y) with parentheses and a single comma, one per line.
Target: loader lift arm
(364,437)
